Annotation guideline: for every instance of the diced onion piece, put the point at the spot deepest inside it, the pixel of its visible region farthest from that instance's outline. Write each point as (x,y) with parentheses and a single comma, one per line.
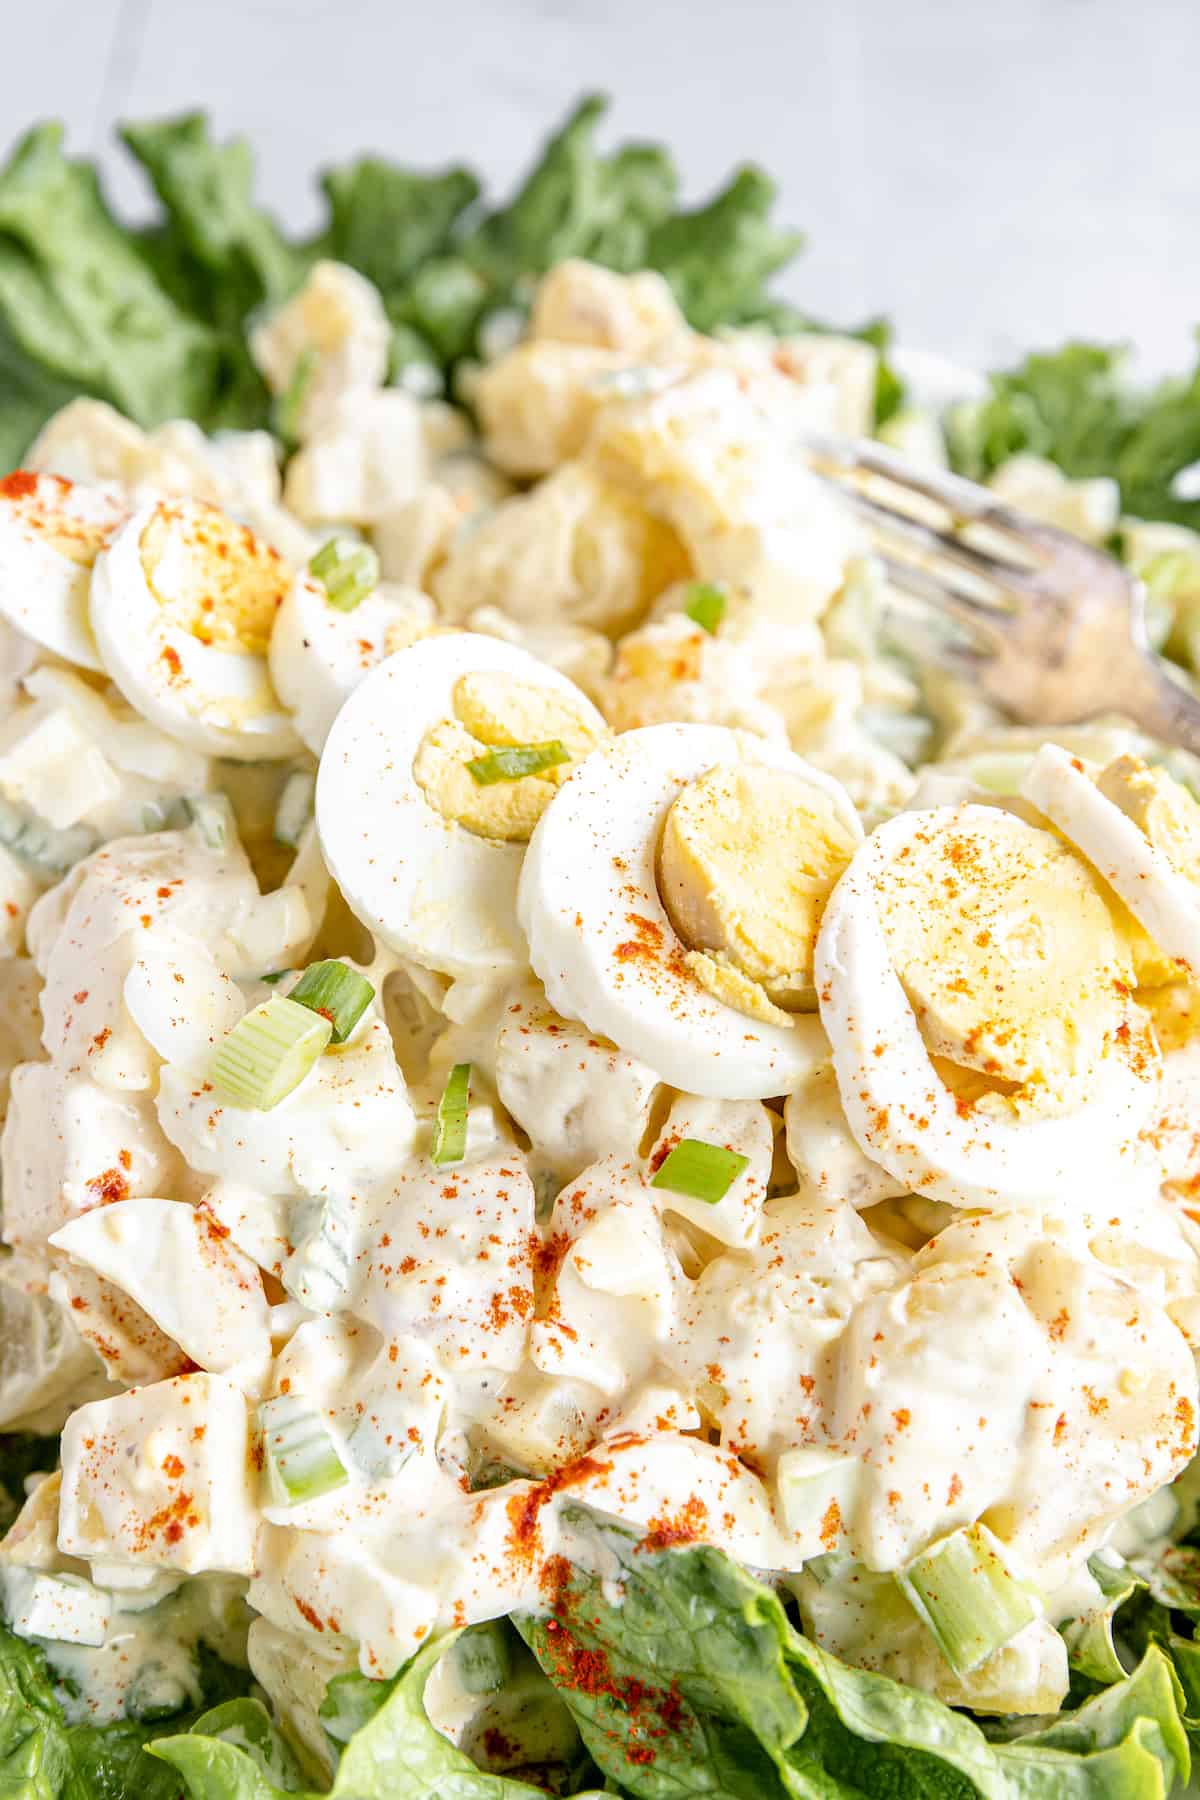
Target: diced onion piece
(295,808)
(968,1597)
(347,570)
(338,993)
(450,1137)
(700,1171)
(302,1460)
(378,1454)
(705,605)
(516,760)
(268,1053)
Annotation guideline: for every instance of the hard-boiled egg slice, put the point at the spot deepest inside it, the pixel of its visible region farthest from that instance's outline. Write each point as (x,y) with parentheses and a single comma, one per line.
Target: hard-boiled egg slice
(319,653)
(51,531)
(614,875)
(990,933)
(182,605)
(1140,828)
(427,855)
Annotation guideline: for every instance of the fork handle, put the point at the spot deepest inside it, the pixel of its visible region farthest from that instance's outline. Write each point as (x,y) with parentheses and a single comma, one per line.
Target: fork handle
(1163,708)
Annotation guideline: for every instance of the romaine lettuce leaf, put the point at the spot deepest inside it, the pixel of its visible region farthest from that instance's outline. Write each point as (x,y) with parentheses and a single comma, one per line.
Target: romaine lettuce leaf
(687,1677)
(390,1750)
(44,1758)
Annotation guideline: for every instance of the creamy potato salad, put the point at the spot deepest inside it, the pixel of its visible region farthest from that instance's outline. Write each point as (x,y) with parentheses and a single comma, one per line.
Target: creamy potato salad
(556,1071)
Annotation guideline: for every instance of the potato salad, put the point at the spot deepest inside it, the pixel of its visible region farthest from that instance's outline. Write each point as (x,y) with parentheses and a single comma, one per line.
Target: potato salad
(601,1166)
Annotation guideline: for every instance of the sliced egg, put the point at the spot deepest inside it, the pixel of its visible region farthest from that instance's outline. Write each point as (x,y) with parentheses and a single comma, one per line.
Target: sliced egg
(319,654)
(182,605)
(1140,829)
(427,855)
(664,952)
(51,532)
(989,933)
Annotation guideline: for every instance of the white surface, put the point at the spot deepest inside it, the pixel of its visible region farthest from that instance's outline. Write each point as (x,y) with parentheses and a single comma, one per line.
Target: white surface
(993,175)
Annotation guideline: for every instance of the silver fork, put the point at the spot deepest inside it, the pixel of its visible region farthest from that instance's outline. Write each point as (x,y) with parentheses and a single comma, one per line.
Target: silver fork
(1051,629)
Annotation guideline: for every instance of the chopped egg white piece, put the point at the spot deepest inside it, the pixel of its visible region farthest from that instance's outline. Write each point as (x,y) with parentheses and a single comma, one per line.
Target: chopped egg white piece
(427,856)
(51,532)
(601,937)
(319,654)
(182,606)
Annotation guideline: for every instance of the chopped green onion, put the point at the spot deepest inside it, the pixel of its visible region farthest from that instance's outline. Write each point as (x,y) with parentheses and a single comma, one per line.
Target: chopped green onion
(295,808)
(290,403)
(44,848)
(338,993)
(517,760)
(274,976)
(212,816)
(700,1171)
(705,605)
(967,1596)
(450,1137)
(268,1053)
(347,570)
(302,1459)
(318,1272)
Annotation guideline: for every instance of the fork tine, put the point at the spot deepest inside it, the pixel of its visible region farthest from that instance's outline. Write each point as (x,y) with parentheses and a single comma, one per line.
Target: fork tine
(963,499)
(940,546)
(983,620)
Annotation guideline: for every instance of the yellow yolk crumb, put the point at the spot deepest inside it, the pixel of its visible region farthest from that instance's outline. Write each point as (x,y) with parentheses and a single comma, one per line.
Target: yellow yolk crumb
(1008,953)
(213,577)
(494,711)
(749,855)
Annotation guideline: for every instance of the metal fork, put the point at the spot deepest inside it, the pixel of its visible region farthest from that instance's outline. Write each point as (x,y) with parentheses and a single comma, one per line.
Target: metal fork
(1050,628)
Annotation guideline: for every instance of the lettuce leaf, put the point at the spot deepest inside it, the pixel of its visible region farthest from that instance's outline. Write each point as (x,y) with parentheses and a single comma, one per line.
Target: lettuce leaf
(391,1751)
(44,1758)
(690,1679)
(1077,407)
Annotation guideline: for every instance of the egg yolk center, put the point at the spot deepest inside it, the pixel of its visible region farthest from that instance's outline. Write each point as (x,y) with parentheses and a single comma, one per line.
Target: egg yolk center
(212,577)
(1011,960)
(747,860)
(492,711)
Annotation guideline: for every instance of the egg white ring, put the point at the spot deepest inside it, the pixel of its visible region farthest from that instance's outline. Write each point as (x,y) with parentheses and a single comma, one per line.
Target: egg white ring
(591,910)
(1164,902)
(879,1055)
(136,643)
(43,593)
(318,655)
(428,888)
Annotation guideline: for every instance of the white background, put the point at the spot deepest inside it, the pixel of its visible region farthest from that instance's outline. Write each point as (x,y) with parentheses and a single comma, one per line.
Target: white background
(995,175)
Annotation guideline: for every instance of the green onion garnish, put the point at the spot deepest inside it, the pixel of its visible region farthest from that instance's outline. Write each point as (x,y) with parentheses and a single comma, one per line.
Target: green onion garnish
(517,760)
(290,403)
(212,816)
(295,808)
(302,1460)
(450,1137)
(967,1596)
(339,994)
(347,570)
(268,1053)
(705,605)
(700,1171)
